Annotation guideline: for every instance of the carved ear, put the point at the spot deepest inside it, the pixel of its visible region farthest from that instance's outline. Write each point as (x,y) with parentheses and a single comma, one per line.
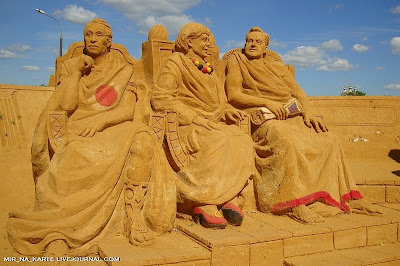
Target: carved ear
(189,43)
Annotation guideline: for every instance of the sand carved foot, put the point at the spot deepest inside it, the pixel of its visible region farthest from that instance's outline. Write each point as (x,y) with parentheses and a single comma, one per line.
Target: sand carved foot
(57,248)
(138,233)
(363,206)
(304,214)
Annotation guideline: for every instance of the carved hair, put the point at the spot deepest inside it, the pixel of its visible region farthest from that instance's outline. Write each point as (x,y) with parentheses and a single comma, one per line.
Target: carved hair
(100,21)
(258,29)
(187,32)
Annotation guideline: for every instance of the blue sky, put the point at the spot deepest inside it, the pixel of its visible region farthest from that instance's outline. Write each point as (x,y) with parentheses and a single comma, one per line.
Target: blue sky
(330,43)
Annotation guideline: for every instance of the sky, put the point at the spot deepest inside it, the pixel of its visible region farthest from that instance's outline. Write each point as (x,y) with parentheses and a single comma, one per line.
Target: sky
(331,44)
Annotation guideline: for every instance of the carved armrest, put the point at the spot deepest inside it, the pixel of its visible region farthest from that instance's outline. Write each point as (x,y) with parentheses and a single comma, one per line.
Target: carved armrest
(56,128)
(165,127)
(245,125)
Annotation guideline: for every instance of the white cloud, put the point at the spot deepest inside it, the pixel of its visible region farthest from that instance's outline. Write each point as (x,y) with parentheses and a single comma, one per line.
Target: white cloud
(379,68)
(19,48)
(359,48)
(332,45)
(304,56)
(171,22)
(148,13)
(207,21)
(393,86)
(76,14)
(336,8)
(232,44)
(395,10)
(314,57)
(364,39)
(395,45)
(30,68)
(335,64)
(13,51)
(4,53)
(51,69)
(276,44)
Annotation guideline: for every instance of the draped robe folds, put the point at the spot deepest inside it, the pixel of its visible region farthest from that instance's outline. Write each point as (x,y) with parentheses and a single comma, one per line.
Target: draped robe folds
(303,166)
(220,160)
(79,197)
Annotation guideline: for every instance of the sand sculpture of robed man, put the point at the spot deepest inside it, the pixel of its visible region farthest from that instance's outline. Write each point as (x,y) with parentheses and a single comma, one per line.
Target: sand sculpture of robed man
(298,160)
(221,157)
(105,159)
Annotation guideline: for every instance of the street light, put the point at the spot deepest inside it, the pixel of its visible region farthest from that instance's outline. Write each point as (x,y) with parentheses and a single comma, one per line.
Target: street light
(61,37)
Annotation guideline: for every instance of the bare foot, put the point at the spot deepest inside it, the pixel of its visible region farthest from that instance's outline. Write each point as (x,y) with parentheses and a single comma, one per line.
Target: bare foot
(140,234)
(363,206)
(324,210)
(303,214)
(57,248)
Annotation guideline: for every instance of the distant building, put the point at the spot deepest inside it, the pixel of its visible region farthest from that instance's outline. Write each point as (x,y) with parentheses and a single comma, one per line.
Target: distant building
(350,91)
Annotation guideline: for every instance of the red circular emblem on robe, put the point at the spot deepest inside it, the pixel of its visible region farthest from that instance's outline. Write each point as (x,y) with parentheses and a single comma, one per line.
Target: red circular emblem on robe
(106,95)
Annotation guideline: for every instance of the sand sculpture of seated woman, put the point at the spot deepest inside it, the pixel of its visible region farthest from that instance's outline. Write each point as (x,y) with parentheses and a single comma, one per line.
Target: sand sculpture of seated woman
(221,157)
(298,160)
(103,165)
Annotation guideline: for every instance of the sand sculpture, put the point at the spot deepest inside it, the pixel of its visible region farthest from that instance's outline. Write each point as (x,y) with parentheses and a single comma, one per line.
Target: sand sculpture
(299,162)
(106,160)
(215,172)
(102,164)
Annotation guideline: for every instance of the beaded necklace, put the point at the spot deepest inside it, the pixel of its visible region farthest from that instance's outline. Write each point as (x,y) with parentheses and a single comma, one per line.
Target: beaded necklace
(205,69)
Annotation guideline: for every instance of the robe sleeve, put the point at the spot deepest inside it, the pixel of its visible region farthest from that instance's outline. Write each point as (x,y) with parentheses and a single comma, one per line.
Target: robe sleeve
(165,94)
(296,91)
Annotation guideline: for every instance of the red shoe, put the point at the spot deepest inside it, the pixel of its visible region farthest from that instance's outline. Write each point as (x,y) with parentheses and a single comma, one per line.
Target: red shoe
(215,221)
(232,214)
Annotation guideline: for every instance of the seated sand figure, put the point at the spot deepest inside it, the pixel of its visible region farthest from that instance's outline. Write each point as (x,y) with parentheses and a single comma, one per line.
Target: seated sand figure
(103,165)
(216,171)
(298,160)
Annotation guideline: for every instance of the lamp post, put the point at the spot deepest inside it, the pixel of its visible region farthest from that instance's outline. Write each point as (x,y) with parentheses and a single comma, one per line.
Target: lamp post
(61,37)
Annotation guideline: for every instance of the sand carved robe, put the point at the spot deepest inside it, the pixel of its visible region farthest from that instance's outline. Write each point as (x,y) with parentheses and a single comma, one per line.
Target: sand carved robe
(302,166)
(79,196)
(220,161)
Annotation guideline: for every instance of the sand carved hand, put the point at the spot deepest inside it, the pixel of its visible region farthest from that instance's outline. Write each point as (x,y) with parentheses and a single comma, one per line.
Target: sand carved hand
(201,121)
(233,115)
(313,121)
(85,64)
(278,109)
(90,130)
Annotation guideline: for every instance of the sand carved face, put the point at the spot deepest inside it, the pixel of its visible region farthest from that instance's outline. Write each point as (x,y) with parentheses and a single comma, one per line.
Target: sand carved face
(255,46)
(96,40)
(200,45)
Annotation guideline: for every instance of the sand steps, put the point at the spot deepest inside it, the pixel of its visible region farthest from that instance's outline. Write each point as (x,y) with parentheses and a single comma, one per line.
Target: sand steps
(385,254)
(264,239)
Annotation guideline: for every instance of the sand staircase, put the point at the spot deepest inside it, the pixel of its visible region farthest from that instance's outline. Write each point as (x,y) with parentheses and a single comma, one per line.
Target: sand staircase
(263,239)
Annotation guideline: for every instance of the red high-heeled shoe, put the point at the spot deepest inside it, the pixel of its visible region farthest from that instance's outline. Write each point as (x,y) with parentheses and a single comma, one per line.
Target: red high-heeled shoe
(215,221)
(232,214)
